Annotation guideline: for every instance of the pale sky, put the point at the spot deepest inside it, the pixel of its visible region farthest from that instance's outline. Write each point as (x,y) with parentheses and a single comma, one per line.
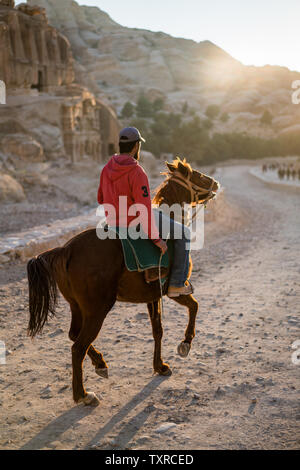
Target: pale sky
(256,32)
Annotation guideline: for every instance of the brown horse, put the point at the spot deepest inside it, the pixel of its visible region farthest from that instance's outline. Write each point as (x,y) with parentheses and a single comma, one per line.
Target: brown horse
(91,275)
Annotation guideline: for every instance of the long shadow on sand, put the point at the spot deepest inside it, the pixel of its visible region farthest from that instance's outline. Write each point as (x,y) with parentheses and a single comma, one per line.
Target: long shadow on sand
(61,424)
(131,428)
(57,427)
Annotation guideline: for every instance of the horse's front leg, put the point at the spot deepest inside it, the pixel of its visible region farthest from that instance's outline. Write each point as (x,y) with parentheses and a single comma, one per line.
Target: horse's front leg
(98,361)
(155,316)
(192,304)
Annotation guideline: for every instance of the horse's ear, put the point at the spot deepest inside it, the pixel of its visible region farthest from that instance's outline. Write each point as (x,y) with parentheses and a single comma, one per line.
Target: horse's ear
(170,166)
(183,169)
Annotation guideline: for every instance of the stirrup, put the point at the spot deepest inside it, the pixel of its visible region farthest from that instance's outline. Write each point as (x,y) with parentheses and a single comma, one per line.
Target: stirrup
(175,291)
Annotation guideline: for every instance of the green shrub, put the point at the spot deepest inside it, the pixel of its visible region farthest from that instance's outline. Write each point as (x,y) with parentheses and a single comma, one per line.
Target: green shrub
(189,137)
(212,111)
(144,107)
(266,118)
(224,117)
(127,110)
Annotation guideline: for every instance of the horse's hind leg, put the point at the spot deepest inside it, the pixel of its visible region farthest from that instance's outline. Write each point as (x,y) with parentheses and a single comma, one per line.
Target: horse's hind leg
(192,304)
(76,322)
(96,356)
(155,315)
(92,321)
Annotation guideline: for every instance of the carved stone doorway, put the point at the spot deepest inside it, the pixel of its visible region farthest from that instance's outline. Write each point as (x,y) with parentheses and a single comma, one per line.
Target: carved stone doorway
(39,85)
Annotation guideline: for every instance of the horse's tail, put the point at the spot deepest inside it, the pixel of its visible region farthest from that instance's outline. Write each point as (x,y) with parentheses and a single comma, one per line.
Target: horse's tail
(43,289)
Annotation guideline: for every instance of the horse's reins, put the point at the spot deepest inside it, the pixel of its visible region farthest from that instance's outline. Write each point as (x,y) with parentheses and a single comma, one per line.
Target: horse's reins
(195,190)
(160,286)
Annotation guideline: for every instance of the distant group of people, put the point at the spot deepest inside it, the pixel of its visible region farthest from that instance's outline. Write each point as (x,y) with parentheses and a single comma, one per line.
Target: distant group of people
(289,171)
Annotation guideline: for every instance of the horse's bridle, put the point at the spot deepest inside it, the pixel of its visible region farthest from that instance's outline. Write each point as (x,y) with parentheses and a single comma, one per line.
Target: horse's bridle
(195,190)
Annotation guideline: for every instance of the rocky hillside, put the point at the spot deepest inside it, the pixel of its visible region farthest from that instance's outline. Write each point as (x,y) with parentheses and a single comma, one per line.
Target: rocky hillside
(49,121)
(119,64)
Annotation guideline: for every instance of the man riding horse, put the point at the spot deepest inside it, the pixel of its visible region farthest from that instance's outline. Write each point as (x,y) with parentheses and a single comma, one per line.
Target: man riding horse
(124,176)
(91,272)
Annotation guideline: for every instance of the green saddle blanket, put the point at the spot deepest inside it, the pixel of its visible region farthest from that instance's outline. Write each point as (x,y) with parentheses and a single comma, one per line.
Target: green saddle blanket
(142,254)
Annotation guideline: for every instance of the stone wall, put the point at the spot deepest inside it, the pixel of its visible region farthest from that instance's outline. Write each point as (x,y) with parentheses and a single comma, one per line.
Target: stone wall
(33,54)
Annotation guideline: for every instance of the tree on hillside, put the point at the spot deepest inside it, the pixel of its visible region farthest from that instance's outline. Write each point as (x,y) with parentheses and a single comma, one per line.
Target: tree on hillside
(161,131)
(144,107)
(207,124)
(174,120)
(185,108)
(266,118)
(189,140)
(212,111)
(127,110)
(141,125)
(224,117)
(158,105)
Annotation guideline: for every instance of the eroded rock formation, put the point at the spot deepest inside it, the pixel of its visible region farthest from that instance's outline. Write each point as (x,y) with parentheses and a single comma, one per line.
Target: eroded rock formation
(10,189)
(33,54)
(119,63)
(88,128)
(47,115)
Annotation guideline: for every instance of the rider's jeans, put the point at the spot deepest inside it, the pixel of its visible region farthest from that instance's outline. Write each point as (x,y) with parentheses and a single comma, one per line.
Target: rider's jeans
(169,229)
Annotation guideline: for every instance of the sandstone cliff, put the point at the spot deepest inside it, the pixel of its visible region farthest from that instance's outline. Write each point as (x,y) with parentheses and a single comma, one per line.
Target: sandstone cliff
(48,117)
(120,63)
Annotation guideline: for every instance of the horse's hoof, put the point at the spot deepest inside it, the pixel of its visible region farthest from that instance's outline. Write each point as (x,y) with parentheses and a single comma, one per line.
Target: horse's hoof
(183,349)
(165,370)
(102,372)
(90,399)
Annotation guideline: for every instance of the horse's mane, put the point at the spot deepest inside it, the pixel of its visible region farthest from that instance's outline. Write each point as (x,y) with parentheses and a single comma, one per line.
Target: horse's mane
(164,189)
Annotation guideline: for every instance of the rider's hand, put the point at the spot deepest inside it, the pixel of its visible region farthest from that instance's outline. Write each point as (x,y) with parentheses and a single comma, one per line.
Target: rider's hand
(162,245)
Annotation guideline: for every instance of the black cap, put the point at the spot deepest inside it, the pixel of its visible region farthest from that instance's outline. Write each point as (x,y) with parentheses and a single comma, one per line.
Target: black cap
(130,134)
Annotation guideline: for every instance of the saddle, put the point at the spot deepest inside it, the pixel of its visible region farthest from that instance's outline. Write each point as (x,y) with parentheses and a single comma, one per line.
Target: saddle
(143,256)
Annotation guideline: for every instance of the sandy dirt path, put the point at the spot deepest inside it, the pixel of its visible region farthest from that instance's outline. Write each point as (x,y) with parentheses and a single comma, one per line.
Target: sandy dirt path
(247,285)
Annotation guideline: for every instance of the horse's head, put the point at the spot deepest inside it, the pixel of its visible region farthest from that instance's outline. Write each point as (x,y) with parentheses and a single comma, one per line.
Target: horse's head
(183,184)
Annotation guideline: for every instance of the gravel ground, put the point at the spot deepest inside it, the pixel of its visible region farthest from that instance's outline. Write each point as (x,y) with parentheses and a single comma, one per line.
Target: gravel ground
(246,280)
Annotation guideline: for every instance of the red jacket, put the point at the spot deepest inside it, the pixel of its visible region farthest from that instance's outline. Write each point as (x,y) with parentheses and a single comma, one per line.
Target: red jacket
(123,176)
